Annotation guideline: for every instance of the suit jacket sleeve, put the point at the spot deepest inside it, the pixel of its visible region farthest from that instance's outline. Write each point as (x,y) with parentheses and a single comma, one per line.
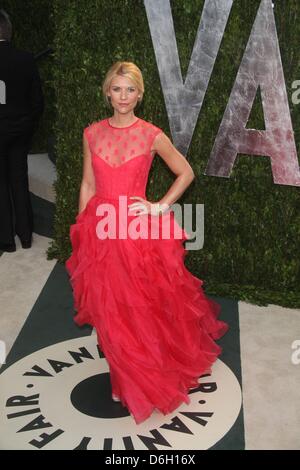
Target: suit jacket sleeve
(36,97)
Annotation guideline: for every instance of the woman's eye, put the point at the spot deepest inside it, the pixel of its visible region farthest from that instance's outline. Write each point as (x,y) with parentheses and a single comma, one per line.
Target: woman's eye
(118,89)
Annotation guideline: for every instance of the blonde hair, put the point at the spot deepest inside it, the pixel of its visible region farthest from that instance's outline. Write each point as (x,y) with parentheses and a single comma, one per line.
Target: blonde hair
(123,69)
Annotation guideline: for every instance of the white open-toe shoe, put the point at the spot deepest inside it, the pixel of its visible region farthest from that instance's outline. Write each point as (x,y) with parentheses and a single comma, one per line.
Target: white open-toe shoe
(115,398)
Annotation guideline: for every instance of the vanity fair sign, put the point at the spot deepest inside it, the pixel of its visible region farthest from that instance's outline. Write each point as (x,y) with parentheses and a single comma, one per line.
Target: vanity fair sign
(261,67)
(50,400)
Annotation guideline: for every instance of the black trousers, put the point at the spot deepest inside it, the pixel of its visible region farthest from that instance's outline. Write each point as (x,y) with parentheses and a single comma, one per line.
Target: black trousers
(15,204)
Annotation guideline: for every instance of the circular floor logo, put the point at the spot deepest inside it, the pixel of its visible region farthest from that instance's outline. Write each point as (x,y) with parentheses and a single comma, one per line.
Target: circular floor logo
(60,398)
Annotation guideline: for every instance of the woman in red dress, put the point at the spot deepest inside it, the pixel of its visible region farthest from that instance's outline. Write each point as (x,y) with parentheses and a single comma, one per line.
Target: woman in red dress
(155,326)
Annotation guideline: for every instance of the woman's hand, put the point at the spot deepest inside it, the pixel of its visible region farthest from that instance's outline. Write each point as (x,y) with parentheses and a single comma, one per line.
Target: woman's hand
(147,207)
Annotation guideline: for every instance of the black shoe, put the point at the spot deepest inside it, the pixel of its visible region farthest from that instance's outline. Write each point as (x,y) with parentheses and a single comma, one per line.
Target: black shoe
(5,247)
(26,243)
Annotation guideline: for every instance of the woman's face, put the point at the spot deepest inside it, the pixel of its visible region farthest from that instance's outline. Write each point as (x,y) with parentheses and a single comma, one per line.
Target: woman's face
(124,94)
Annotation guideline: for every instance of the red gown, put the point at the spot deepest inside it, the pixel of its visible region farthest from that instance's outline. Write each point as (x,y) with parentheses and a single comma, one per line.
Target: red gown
(155,325)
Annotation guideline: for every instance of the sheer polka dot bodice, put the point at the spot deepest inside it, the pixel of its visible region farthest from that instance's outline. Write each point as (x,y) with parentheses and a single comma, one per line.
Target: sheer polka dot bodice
(121,156)
(118,145)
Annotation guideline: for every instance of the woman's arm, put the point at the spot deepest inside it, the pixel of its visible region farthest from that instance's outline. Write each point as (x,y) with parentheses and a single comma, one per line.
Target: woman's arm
(177,163)
(88,186)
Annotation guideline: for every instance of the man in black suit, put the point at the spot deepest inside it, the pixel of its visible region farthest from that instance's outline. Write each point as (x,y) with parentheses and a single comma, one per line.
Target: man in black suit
(21,106)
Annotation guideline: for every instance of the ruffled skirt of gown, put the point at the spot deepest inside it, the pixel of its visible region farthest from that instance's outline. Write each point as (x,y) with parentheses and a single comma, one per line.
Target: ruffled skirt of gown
(155,325)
